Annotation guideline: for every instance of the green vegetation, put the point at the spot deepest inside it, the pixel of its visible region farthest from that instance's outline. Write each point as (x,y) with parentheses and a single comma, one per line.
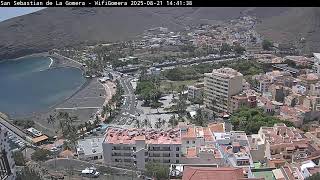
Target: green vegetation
(181,74)
(170,86)
(314,177)
(24,123)
(179,105)
(67,126)
(251,119)
(148,89)
(267,45)
(201,118)
(225,48)
(18,158)
(246,67)
(40,155)
(156,170)
(28,174)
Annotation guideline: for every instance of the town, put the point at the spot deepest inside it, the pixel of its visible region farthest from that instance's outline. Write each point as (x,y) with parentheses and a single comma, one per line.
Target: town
(210,102)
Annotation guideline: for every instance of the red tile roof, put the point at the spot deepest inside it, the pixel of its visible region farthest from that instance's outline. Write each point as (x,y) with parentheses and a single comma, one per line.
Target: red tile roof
(210,173)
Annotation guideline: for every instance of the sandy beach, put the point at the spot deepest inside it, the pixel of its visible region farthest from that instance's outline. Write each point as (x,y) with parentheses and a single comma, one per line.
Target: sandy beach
(83,103)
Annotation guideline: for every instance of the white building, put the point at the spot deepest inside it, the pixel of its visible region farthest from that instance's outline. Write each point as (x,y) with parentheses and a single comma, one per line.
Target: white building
(136,147)
(316,65)
(90,148)
(7,164)
(220,85)
(195,92)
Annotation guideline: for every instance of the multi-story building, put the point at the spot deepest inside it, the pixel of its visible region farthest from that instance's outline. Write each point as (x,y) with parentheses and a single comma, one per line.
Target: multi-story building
(220,85)
(137,147)
(312,103)
(90,148)
(315,89)
(244,99)
(235,148)
(308,79)
(7,164)
(195,92)
(198,144)
(283,144)
(316,64)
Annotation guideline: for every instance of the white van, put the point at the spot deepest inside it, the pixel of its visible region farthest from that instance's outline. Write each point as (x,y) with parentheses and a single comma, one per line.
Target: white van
(90,172)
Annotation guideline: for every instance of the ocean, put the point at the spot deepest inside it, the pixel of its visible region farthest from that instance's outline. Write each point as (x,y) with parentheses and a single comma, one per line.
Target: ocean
(28,85)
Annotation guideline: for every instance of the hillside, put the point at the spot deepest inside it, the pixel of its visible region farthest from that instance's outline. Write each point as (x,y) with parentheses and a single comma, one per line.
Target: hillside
(60,27)
(291,25)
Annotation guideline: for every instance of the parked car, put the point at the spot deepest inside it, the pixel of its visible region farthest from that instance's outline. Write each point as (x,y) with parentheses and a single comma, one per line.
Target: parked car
(90,172)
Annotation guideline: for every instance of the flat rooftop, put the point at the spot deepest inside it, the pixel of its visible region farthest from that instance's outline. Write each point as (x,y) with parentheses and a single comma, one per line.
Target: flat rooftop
(90,146)
(152,136)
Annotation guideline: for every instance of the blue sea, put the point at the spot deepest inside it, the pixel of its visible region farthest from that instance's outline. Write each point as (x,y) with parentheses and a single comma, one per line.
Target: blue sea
(28,85)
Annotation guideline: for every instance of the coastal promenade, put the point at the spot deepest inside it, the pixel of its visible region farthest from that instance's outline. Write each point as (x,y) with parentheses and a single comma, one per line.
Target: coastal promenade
(4,122)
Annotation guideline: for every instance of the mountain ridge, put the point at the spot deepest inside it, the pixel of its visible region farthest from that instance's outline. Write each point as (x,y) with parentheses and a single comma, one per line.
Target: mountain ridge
(61,27)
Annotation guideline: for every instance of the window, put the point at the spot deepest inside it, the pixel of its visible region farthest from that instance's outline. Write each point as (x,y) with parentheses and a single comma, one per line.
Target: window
(177,155)
(177,149)
(187,142)
(4,165)
(177,161)
(193,142)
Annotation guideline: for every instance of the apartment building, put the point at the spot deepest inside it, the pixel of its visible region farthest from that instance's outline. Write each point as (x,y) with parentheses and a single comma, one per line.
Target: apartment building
(273,77)
(7,164)
(312,103)
(244,99)
(90,148)
(198,144)
(195,92)
(308,79)
(220,85)
(137,147)
(315,89)
(235,148)
(316,64)
(283,144)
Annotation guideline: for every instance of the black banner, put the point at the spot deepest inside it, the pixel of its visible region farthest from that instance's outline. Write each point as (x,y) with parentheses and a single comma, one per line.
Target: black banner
(152,3)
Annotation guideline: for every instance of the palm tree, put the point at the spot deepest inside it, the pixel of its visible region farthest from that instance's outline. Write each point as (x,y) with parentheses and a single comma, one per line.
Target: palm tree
(81,129)
(172,121)
(145,122)
(137,123)
(51,120)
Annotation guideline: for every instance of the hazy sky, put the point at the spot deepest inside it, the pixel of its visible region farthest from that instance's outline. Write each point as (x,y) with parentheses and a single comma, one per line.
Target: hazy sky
(10,12)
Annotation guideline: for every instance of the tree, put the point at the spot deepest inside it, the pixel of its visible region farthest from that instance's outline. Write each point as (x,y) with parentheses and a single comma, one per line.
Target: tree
(201,117)
(24,123)
(28,174)
(173,121)
(238,49)
(67,126)
(40,155)
(315,176)
(18,158)
(251,119)
(156,170)
(266,45)
(137,123)
(51,120)
(225,48)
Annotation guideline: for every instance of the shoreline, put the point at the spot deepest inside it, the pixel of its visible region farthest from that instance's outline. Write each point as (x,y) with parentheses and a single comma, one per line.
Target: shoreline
(56,62)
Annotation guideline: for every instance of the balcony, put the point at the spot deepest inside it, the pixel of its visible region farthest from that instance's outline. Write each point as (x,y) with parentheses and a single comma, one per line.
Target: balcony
(154,155)
(159,149)
(166,155)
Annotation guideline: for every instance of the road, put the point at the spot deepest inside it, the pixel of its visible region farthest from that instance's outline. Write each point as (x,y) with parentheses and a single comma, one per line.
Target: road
(14,130)
(128,108)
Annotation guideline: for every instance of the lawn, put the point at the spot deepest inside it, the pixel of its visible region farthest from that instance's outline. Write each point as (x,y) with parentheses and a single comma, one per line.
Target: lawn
(165,85)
